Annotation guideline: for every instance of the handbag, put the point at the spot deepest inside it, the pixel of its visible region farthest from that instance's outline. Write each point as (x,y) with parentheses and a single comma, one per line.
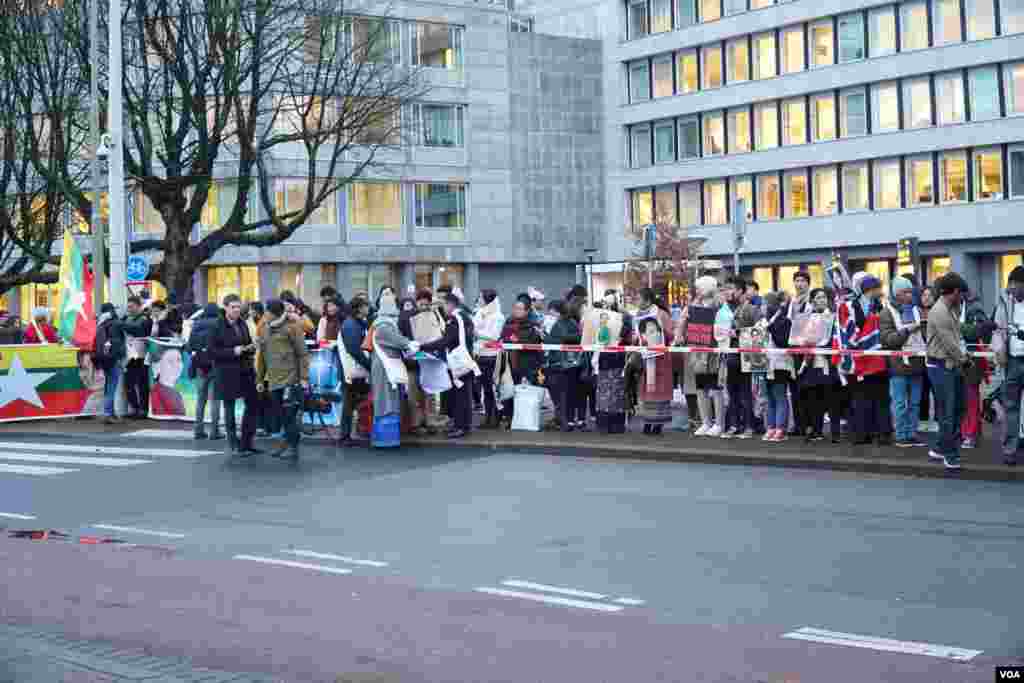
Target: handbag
(460,361)
(526,408)
(506,385)
(353,370)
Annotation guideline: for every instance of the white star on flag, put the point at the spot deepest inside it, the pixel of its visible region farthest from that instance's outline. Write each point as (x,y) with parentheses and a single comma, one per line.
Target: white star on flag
(19,384)
(76,302)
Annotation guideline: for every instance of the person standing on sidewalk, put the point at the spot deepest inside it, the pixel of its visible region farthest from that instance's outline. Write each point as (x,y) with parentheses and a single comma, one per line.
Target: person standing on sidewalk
(199,344)
(900,325)
(1008,345)
(737,382)
(460,397)
(976,329)
(927,418)
(868,375)
(138,325)
(947,360)
(488,323)
(109,355)
(800,304)
(283,370)
(233,351)
(356,364)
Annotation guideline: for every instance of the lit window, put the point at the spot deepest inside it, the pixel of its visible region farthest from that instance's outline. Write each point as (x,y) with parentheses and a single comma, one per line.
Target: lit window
(714,134)
(792,49)
(643,209)
(375,206)
(914,26)
(442,125)
(759,4)
(949,98)
(917,103)
(686,13)
(768,197)
(794,122)
(661,21)
(739,130)
(637,19)
(826,191)
(1012,13)
(855,187)
(946,15)
(689,204)
(853,113)
(766,125)
(953,177)
(984,89)
(796,194)
(988,175)
(887,184)
(851,37)
(711,61)
(440,205)
(823,117)
(639,81)
(1016,158)
(764,55)
(663,77)
(1013,75)
(920,185)
(886,107)
(438,46)
(640,141)
(665,205)
(822,47)
(735,6)
(290,196)
(742,187)
(710,10)
(715,212)
(689,138)
(664,142)
(981,19)
(882,31)
(686,72)
(739,60)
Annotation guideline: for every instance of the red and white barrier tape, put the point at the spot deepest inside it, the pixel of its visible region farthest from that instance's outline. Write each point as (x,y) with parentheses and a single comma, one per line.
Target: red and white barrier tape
(812,351)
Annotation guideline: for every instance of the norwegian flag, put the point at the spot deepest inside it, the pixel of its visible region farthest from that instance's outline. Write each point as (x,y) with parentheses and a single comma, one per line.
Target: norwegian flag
(865,337)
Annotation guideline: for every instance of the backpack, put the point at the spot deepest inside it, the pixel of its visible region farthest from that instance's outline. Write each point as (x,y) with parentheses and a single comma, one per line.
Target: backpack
(199,345)
(102,355)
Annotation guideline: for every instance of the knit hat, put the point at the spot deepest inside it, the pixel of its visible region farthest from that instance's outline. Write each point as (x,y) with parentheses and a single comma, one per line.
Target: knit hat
(1017,274)
(868,283)
(901,284)
(706,285)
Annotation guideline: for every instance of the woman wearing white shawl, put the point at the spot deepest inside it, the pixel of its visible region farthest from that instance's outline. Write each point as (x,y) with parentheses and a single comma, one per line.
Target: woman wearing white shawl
(387,373)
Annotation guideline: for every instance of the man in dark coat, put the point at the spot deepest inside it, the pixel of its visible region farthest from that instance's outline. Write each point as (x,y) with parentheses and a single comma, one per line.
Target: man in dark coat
(233,352)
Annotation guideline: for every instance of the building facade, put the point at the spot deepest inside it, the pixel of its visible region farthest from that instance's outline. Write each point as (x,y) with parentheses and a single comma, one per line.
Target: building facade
(845,125)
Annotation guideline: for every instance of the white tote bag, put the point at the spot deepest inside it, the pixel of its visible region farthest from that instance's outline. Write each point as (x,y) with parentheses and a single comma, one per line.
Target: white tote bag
(526,408)
(460,361)
(353,370)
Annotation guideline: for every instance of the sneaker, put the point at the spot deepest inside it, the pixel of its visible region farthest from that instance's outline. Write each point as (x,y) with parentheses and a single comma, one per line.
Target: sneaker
(816,437)
(968,444)
(769,435)
(914,442)
(702,431)
(714,432)
(747,434)
(951,462)
(903,443)
(935,456)
(1010,460)
(728,434)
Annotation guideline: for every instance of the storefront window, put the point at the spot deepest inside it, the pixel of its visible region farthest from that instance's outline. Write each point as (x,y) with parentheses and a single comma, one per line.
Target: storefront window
(1007,262)
(241,280)
(763,278)
(367,280)
(817,273)
(937,267)
(786,274)
(39,296)
(879,269)
(431,276)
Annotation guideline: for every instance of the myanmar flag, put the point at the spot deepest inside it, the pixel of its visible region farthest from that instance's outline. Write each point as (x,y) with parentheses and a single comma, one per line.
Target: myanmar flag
(77,319)
(47,380)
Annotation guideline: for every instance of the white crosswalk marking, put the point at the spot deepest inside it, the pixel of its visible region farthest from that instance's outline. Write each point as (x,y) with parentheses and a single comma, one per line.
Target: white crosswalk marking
(38,459)
(33,470)
(73,459)
(17,446)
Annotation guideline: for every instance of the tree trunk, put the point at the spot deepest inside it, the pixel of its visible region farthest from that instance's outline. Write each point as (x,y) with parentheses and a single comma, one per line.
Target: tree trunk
(179,264)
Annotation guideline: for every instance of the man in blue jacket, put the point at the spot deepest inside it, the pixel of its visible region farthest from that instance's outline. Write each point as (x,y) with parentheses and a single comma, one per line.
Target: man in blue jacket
(357,390)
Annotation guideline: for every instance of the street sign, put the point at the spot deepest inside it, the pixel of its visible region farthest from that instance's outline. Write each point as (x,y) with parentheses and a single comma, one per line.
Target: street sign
(138,268)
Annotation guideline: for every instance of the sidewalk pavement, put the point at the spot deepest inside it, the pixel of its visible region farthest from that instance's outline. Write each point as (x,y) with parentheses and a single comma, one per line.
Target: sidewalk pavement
(982,463)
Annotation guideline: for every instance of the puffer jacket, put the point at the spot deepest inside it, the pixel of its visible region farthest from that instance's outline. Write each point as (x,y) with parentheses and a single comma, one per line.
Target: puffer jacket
(565,331)
(283,359)
(894,339)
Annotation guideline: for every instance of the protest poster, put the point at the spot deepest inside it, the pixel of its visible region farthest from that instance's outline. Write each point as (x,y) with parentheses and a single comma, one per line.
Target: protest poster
(700,326)
(172,393)
(47,381)
(811,329)
(753,338)
(601,327)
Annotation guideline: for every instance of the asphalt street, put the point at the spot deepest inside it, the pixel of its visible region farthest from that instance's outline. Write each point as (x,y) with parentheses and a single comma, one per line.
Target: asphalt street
(453,565)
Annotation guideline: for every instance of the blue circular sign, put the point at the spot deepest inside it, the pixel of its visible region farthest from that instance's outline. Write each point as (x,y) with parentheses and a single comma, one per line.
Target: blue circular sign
(138,267)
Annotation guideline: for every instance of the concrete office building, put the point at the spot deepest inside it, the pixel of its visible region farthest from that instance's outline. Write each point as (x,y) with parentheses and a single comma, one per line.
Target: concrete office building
(844,124)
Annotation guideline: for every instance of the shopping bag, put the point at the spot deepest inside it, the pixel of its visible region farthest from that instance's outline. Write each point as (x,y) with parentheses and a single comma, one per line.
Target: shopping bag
(507,386)
(460,361)
(526,408)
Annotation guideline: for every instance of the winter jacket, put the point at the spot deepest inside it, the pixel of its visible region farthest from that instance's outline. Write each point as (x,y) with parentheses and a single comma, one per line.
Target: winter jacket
(110,330)
(565,331)
(488,324)
(977,331)
(1003,318)
(235,375)
(894,339)
(47,330)
(860,331)
(522,331)
(353,332)
(944,336)
(450,340)
(283,359)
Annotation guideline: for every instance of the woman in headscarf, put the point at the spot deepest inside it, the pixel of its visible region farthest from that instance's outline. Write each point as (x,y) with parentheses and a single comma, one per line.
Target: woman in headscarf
(611,372)
(488,322)
(654,325)
(818,380)
(388,378)
(522,365)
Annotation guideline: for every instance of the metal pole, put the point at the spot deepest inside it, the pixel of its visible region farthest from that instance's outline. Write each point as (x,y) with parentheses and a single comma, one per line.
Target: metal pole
(118,243)
(739,230)
(590,279)
(95,220)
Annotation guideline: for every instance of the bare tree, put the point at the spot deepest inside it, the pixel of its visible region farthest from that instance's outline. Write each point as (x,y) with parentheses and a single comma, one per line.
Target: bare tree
(229,95)
(668,259)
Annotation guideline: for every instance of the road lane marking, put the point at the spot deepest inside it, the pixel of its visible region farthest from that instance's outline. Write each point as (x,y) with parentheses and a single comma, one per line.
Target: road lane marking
(337,558)
(631,602)
(296,565)
(103,450)
(550,599)
(136,530)
(73,459)
(34,470)
(16,515)
(817,635)
(515,583)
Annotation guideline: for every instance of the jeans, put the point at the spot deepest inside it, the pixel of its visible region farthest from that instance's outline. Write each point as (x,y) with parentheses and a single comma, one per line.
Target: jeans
(562,387)
(1011,401)
(207,392)
(948,386)
(288,416)
(777,415)
(740,411)
(136,386)
(905,393)
(112,376)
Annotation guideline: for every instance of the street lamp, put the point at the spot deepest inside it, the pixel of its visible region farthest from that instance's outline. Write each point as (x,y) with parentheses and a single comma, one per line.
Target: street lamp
(650,247)
(590,273)
(115,168)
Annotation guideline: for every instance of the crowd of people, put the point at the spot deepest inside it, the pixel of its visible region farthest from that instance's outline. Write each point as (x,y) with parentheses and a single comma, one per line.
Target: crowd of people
(430,361)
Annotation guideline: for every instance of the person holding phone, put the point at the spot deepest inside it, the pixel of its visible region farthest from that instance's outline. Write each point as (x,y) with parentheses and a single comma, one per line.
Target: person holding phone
(233,352)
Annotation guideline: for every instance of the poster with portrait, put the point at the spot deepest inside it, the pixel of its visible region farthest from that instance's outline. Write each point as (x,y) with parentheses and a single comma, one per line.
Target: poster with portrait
(172,393)
(325,378)
(753,338)
(811,330)
(601,327)
(700,326)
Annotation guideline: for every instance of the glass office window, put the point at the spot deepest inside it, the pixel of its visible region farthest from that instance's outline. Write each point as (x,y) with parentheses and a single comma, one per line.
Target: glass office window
(766,125)
(639,81)
(689,138)
(953,177)
(1016,170)
(764,55)
(735,6)
(713,124)
(981,19)
(886,107)
(440,205)
(946,19)
(742,187)
(1013,78)
(853,112)
(665,205)
(795,184)
(664,142)
(663,77)
(711,65)
(920,186)
(689,204)
(661,19)
(710,10)
(739,130)
(855,187)
(823,117)
(637,19)
(887,184)
(759,4)
(792,49)
(686,13)
(949,98)
(715,212)
(917,103)
(640,142)
(375,206)
(794,121)
(826,190)
(851,37)
(1012,14)
(988,174)
(882,31)
(686,72)
(738,58)
(822,46)
(769,197)
(984,91)
(913,26)
(643,208)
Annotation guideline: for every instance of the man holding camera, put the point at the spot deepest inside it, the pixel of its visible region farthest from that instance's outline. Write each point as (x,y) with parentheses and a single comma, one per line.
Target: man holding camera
(233,351)
(282,369)
(1008,344)
(947,361)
